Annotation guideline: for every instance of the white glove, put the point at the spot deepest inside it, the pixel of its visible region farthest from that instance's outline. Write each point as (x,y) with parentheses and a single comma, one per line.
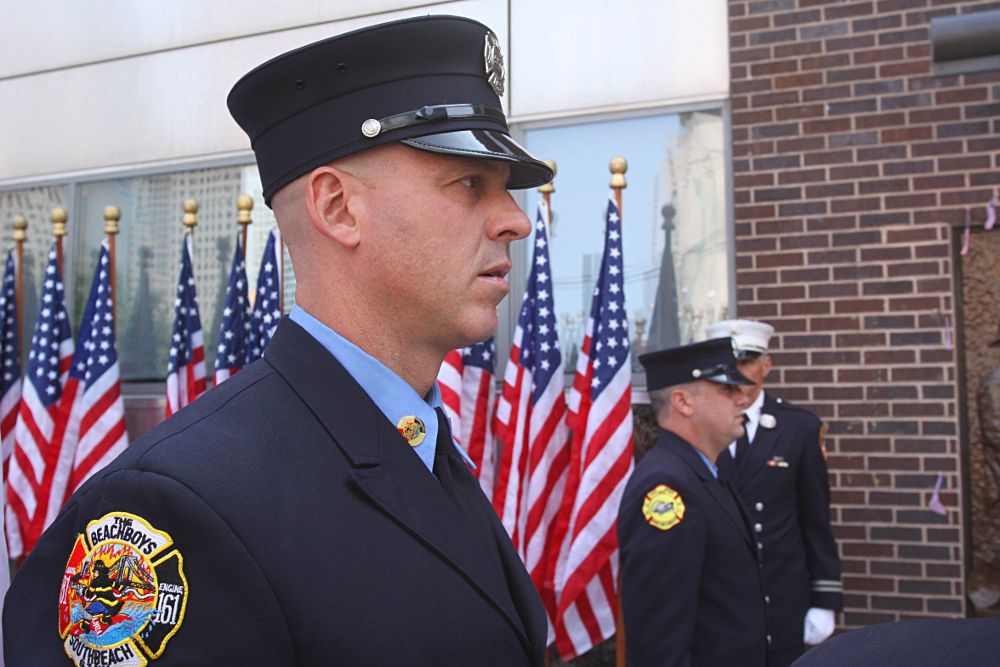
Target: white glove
(819,625)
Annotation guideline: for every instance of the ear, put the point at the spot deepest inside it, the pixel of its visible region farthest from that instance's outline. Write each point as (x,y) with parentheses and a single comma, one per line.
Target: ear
(329,192)
(680,401)
(767,363)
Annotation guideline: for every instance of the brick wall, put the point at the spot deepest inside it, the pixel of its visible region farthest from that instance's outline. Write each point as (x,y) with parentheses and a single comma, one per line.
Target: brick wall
(853,165)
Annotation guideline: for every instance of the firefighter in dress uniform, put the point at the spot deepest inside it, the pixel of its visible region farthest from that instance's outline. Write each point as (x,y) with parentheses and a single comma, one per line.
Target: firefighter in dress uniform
(779,470)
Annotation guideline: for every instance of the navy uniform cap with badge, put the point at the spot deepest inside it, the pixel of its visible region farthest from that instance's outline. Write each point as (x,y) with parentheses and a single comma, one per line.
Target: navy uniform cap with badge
(282,519)
(691,586)
(782,479)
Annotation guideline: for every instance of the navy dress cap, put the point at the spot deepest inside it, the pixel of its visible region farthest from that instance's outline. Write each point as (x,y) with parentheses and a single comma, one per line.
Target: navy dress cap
(432,82)
(713,360)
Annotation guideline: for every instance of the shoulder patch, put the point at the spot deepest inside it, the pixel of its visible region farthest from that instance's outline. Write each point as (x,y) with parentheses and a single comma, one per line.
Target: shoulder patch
(663,508)
(123,593)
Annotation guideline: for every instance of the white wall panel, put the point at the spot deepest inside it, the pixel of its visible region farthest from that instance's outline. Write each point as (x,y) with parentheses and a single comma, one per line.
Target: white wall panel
(48,34)
(163,106)
(573,55)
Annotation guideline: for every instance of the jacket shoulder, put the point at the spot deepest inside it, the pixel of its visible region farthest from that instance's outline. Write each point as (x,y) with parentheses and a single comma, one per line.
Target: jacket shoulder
(789,409)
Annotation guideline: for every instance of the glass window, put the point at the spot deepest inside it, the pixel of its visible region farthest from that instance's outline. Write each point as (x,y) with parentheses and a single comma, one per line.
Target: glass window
(148,254)
(675,227)
(36,205)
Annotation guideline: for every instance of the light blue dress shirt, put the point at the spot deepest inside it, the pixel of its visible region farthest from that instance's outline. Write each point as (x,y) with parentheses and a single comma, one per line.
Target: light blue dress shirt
(391,394)
(712,468)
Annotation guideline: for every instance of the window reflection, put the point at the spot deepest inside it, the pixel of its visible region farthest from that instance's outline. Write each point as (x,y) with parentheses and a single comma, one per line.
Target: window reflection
(674,223)
(148,252)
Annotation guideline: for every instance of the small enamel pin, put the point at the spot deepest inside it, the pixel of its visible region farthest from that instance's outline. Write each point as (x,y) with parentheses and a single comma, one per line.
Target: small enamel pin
(412,429)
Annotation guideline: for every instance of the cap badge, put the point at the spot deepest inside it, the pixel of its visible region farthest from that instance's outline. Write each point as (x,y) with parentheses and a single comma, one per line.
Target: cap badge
(663,508)
(412,429)
(768,421)
(735,330)
(494,63)
(371,128)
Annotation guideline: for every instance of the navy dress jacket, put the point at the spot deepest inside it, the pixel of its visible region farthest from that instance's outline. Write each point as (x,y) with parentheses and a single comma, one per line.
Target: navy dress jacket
(300,530)
(692,592)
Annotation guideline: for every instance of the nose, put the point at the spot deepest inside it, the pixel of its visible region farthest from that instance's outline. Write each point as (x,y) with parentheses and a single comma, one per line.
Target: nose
(508,222)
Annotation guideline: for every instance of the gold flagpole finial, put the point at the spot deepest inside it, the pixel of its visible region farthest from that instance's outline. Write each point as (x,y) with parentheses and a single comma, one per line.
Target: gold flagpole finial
(618,167)
(20,225)
(190,214)
(59,218)
(244,204)
(112,214)
(549,187)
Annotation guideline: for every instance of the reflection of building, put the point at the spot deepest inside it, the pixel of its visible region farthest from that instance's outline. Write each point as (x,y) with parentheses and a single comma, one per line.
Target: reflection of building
(664,329)
(700,223)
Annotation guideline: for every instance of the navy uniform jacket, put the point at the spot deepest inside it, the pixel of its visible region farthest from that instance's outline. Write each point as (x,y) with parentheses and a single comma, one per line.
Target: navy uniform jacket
(691,593)
(969,642)
(784,485)
(307,533)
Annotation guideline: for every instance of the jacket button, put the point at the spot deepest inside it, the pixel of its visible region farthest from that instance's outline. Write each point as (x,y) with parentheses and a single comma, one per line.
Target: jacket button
(759,507)
(757,527)
(769,640)
(760,546)
(767,599)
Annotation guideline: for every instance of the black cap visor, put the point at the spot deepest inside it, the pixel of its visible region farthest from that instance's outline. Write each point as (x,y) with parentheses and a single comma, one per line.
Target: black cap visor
(725,375)
(525,170)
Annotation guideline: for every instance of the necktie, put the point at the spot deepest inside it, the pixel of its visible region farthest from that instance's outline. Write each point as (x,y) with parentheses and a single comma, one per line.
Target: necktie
(743,442)
(443,446)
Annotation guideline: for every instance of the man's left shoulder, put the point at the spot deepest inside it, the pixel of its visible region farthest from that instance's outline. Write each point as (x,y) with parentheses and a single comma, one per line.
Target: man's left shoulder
(789,411)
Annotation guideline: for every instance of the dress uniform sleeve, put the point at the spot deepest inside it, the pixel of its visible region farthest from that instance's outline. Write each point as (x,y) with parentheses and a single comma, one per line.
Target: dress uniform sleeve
(213,605)
(661,571)
(825,588)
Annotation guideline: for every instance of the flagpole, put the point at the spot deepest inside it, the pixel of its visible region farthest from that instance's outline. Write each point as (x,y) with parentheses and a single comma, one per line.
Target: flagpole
(618,166)
(547,189)
(59,218)
(112,214)
(244,204)
(20,224)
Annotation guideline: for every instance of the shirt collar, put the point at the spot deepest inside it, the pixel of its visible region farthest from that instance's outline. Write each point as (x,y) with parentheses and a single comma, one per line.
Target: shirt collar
(712,468)
(394,397)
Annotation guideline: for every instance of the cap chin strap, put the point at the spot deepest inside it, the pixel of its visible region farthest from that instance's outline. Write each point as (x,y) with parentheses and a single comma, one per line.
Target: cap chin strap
(372,127)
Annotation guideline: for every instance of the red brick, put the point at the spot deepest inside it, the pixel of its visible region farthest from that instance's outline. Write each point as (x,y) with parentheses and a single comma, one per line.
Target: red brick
(773,67)
(796,112)
(907,134)
(878,55)
(859,306)
(962,95)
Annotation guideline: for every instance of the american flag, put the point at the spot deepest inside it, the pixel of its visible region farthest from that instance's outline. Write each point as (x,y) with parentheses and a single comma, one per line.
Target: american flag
(267,304)
(531,423)
(10,363)
(93,396)
(186,368)
(42,458)
(600,462)
(235,327)
(466,383)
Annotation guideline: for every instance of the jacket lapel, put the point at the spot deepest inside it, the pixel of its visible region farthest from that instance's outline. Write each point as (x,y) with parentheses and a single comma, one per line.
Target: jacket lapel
(760,448)
(390,475)
(720,494)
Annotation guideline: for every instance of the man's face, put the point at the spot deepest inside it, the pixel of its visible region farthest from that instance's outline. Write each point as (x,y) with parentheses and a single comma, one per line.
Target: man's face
(436,238)
(718,412)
